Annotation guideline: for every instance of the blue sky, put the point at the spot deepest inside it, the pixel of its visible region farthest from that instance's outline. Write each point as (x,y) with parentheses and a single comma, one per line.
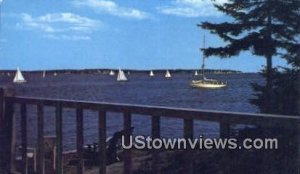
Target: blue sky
(78,34)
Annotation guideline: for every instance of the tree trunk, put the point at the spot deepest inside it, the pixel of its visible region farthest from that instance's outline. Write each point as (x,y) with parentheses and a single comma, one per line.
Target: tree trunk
(269,70)
(269,76)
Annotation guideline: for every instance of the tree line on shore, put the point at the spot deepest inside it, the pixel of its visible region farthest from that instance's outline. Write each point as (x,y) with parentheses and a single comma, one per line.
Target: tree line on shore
(94,71)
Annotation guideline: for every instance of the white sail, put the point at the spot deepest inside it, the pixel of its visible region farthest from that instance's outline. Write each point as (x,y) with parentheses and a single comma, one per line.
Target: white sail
(19,77)
(196,73)
(121,76)
(111,73)
(55,74)
(151,73)
(44,74)
(168,75)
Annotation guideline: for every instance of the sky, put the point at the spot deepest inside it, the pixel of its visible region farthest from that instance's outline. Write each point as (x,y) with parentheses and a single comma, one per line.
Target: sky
(131,34)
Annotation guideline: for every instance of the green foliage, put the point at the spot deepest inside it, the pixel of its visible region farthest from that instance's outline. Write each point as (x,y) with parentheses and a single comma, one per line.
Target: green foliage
(260,26)
(293,55)
(285,93)
(267,28)
(285,89)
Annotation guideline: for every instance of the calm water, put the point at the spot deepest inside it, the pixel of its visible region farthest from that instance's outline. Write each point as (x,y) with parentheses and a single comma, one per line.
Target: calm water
(141,89)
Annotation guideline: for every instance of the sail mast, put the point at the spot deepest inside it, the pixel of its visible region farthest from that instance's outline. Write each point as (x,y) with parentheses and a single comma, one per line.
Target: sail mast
(203,57)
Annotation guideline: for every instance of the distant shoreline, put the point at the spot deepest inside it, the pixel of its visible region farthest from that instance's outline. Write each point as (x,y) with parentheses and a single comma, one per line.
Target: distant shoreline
(105,71)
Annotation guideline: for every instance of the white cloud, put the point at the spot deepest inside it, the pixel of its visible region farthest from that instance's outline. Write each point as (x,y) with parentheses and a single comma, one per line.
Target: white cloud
(192,8)
(67,37)
(110,7)
(60,24)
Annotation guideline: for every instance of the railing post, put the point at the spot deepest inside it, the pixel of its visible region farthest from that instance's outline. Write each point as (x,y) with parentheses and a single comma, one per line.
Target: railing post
(59,145)
(188,129)
(24,138)
(127,152)
(298,145)
(1,106)
(7,132)
(13,140)
(155,152)
(291,148)
(225,133)
(79,140)
(188,156)
(40,142)
(102,142)
(2,137)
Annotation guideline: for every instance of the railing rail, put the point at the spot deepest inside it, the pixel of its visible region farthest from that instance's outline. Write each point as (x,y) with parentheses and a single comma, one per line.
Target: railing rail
(225,120)
(182,113)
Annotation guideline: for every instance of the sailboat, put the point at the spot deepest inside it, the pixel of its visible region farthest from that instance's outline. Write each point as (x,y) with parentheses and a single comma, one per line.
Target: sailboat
(204,82)
(196,73)
(151,73)
(19,77)
(44,74)
(111,73)
(121,76)
(168,75)
(55,74)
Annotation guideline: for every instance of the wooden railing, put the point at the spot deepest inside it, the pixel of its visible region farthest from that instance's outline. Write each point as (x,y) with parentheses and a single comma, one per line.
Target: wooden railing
(225,120)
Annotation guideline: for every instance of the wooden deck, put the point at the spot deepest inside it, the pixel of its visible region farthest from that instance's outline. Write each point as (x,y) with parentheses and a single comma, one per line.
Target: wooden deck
(224,119)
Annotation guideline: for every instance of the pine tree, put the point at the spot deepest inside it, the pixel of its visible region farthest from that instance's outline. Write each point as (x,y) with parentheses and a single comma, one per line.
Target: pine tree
(267,28)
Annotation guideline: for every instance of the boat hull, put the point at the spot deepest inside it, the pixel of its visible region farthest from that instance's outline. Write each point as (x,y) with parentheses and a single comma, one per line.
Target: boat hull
(201,84)
(122,80)
(19,81)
